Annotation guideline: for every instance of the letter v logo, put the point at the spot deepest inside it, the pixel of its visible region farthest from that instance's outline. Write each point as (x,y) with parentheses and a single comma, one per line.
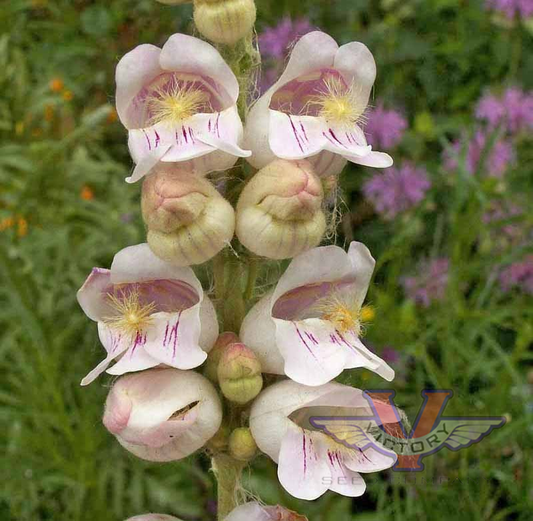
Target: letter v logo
(428,419)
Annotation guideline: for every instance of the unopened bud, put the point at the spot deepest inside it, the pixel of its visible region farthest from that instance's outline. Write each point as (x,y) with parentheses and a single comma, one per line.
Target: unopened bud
(279,213)
(153,517)
(254,511)
(239,374)
(188,221)
(242,445)
(224,21)
(211,365)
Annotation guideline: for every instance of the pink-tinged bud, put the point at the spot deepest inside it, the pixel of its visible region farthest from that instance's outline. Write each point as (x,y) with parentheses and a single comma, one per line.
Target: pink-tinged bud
(188,221)
(224,21)
(163,414)
(279,213)
(211,365)
(256,512)
(239,374)
(153,517)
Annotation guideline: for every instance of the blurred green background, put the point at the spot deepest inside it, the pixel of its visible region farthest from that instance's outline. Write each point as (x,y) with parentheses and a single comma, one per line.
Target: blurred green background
(64,208)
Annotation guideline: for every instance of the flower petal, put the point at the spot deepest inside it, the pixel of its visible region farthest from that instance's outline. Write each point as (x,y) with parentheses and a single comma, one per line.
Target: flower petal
(134,71)
(258,332)
(327,163)
(114,343)
(302,470)
(369,460)
(147,163)
(343,480)
(312,355)
(185,53)
(348,143)
(92,295)
(249,512)
(295,137)
(374,160)
(173,339)
(355,61)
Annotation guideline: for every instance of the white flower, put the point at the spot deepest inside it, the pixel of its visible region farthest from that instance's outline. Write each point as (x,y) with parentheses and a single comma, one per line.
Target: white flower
(163,414)
(310,461)
(179,104)
(316,109)
(149,313)
(308,327)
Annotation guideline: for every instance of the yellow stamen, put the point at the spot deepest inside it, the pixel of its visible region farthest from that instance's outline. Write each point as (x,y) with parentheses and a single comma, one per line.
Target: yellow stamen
(338,103)
(343,314)
(131,316)
(176,103)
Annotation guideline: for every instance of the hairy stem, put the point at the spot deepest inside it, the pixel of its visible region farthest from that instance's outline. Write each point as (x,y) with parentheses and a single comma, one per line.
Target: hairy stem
(228,473)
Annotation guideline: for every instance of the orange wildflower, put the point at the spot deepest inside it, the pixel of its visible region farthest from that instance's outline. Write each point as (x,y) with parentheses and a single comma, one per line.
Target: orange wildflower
(87,193)
(56,85)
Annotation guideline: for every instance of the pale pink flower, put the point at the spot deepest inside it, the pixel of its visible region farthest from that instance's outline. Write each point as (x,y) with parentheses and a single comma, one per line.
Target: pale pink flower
(179,104)
(148,312)
(163,414)
(316,108)
(429,283)
(308,326)
(287,421)
(518,275)
(275,41)
(512,8)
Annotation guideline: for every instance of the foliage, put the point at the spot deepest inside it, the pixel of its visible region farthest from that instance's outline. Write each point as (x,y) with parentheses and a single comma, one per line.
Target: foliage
(65,208)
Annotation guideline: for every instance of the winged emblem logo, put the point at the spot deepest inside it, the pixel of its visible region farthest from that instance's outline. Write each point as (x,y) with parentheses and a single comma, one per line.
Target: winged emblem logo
(431,431)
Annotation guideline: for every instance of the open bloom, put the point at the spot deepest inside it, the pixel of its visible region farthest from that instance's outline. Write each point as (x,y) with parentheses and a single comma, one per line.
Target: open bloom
(285,422)
(308,327)
(179,104)
(163,414)
(315,110)
(149,313)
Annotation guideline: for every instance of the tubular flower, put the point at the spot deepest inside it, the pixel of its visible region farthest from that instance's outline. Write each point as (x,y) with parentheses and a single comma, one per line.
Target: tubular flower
(149,313)
(310,459)
(163,414)
(179,104)
(188,221)
(279,213)
(308,327)
(316,109)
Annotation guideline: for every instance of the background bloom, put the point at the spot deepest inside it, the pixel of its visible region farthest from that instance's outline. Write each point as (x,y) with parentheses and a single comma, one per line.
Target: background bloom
(498,160)
(275,41)
(512,8)
(513,109)
(429,283)
(385,127)
(518,276)
(397,190)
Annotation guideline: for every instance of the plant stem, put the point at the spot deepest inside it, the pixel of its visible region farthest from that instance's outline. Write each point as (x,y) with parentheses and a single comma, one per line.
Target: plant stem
(228,473)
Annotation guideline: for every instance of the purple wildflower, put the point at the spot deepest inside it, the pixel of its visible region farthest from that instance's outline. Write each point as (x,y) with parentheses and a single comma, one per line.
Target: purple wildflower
(385,128)
(390,355)
(498,161)
(397,190)
(429,284)
(512,8)
(518,275)
(274,42)
(513,232)
(514,110)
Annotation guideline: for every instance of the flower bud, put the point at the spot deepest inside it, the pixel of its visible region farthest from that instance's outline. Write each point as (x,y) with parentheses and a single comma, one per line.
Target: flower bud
(188,221)
(174,2)
(239,374)
(153,517)
(211,365)
(163,414)
(279,213)
(242,445)
(254,511)
(224,21)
